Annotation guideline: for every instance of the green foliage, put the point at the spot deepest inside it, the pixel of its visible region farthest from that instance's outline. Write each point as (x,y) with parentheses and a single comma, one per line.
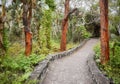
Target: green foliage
(51,4)
(55,45)
(85,33)
(4,2)
(15,67)
(114,24)
(81,33)
(45,31)
(5,41)
(97,51)
(15,70)
(14,18)
(48,25)
(92,22)
(113,67)
(14,49)
(115,57)
(42,35)
(36,48)
(5,38)
(71,45)
(89,17)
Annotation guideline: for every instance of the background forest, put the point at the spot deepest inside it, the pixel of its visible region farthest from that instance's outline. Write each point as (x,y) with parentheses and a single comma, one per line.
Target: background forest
(45,27)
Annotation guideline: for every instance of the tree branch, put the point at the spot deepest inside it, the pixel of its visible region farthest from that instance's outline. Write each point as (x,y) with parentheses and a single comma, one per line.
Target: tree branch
(72,11)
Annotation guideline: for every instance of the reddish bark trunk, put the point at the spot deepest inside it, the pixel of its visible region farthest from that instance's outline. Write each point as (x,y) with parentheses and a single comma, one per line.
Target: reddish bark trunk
(104,31)
(27,15)
(28,41)
(1,34)
(64,26)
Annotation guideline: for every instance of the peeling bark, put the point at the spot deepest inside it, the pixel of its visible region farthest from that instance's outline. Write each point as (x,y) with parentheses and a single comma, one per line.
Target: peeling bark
(65,25)
(27,15)
(104,31)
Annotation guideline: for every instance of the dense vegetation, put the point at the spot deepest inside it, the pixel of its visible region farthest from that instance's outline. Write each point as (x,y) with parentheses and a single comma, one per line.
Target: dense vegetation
(15,67)
(112,68)
(46,28)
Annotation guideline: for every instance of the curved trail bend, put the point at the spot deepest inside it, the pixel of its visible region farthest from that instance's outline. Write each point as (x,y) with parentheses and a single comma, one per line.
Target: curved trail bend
(72,69)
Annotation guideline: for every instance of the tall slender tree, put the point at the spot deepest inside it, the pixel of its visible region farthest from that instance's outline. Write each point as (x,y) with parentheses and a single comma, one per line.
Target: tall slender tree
(64,26)
(2,21)
(27,15)
(104,31)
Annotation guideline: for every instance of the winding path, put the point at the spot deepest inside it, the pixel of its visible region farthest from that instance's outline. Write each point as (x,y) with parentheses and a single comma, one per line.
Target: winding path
(72,69)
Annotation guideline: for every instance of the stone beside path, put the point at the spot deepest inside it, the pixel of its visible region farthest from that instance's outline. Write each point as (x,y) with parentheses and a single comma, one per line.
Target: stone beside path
(73,69)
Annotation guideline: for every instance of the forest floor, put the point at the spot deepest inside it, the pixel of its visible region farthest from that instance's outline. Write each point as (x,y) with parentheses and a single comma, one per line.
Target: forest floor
(72,69)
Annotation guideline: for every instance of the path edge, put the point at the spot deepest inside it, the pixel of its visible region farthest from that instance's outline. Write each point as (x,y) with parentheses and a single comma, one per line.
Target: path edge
(40,71)
(97,75)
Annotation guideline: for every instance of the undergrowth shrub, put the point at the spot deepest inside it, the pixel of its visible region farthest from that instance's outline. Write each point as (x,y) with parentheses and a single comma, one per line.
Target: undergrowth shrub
(112,68)
(15,49)
(80,34)
(15,70)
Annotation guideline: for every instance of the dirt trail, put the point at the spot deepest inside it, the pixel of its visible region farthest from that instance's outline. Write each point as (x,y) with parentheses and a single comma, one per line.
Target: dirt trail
(72,69)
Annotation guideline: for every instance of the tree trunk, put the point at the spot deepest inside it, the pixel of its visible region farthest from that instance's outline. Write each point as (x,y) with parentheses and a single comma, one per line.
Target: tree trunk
(2,21)
(27,15)
(104,31)
(1,33)
(64,27)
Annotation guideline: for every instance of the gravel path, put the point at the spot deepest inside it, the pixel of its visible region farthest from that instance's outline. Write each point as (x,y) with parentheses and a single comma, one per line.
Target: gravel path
(72,69)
